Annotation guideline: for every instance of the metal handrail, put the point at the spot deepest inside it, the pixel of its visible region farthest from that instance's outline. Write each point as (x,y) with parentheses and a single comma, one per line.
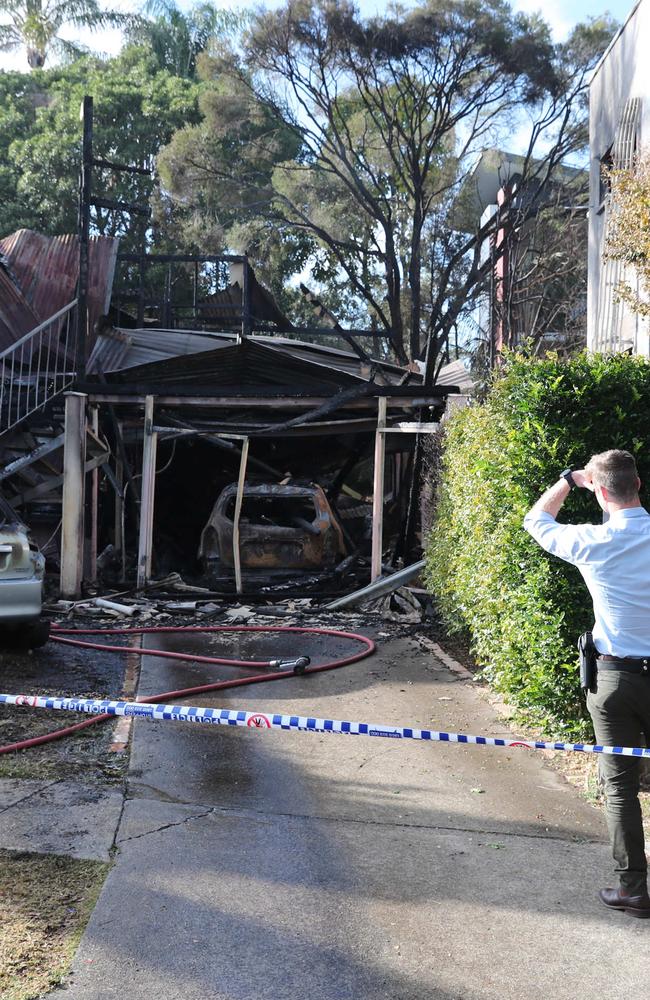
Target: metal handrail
(37,329)
(36,368)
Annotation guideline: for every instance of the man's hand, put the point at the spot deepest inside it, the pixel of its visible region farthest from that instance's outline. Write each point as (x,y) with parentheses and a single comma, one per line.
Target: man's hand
(551,501)
(582,478)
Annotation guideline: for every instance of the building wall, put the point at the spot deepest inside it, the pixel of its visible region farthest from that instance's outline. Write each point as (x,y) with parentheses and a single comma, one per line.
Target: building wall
(617,126)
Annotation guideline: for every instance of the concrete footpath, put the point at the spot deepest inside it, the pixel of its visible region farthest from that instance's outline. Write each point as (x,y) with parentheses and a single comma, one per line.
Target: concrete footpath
(257,865)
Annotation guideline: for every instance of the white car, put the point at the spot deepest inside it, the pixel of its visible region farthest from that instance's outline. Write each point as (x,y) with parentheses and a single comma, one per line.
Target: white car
(22,568)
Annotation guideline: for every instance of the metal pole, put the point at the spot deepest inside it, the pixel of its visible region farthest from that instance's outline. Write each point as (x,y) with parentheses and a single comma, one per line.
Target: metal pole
(385,585)
(378,491)
(84,234)
(145,542)
(236,554)
(74,462)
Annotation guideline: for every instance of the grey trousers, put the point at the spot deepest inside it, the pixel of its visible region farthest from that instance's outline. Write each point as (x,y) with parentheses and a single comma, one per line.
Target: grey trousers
(620,710)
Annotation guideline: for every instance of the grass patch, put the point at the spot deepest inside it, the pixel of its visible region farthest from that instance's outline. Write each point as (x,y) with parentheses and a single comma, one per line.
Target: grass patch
(45,903)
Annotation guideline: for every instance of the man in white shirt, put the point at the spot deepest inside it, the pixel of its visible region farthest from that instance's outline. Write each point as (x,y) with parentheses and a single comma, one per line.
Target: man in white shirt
(614,560)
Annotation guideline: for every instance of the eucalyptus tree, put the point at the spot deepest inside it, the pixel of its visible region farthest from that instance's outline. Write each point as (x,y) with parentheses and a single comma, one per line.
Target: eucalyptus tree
(385,117)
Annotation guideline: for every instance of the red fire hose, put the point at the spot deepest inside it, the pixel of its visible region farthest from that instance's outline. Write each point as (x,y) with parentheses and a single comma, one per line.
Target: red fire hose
(297,665)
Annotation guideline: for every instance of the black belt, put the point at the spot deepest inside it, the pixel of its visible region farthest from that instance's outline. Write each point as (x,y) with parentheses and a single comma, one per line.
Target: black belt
(631,664)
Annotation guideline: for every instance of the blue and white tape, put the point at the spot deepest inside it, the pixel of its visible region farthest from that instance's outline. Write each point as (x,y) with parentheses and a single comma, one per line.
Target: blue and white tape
(301,723)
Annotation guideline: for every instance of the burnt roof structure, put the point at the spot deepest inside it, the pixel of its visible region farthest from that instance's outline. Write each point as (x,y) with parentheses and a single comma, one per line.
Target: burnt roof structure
(39,276)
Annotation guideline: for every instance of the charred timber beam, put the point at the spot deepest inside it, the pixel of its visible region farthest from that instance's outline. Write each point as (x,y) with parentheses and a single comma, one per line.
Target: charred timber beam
(329,320)
(120,206)
(145,537)
(378,493)
(320,331)
(288,394)
(183,258)
(212,438)
(121,166)
(130,398)
(74,478)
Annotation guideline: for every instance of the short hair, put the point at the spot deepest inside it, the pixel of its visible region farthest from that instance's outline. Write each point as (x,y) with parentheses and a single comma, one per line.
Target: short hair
(615,470)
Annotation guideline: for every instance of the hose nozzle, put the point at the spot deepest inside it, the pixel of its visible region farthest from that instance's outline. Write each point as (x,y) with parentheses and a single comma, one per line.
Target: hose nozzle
(297,665)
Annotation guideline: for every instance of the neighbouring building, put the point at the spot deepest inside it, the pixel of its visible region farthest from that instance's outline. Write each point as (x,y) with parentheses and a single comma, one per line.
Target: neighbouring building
(535,293)
(619,126)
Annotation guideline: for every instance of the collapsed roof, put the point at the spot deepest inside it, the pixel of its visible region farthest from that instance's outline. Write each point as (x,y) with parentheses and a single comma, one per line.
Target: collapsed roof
(39,275)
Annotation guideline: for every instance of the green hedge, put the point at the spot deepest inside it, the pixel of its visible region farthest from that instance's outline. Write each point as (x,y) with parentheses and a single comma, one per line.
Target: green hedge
(522,608)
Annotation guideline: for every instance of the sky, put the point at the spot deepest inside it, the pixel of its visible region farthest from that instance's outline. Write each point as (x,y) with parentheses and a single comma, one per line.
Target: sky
(560,14)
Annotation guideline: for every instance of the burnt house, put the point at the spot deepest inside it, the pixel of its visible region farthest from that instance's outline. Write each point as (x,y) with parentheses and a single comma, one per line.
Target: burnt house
(185,424)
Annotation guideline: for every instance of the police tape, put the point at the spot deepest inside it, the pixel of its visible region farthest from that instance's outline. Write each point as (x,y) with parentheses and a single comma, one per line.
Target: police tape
(301,723)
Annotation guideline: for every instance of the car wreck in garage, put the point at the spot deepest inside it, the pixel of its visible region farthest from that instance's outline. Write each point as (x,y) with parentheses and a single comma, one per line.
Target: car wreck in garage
(265,451)
(171,407)
(280,529)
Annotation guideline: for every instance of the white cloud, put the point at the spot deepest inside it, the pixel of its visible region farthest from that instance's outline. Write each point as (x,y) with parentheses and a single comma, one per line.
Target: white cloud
(554,13)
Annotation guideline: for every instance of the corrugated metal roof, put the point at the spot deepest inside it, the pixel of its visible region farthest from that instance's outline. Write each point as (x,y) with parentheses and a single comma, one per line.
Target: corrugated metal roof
(121,349)
(46,269)
(249,364)
(16,315)
(456,374)
(115,350)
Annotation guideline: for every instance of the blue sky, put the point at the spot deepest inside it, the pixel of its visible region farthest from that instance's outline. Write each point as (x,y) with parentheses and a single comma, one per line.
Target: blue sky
(560,14)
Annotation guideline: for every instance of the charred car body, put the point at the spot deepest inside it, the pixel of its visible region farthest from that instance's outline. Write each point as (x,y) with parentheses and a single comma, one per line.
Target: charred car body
(282,530)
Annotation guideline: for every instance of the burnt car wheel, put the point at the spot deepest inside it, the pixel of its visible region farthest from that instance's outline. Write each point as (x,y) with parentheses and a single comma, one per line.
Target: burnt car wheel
(30,636)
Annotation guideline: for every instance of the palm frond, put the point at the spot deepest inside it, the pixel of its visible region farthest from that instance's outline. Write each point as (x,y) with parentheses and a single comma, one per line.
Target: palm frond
(9,38)
(69,51)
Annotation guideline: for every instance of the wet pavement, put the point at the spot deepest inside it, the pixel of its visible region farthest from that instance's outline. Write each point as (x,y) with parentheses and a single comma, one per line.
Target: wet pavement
(263,864)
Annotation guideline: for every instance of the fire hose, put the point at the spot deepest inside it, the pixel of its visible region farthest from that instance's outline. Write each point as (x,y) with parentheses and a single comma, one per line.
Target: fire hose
(277,669)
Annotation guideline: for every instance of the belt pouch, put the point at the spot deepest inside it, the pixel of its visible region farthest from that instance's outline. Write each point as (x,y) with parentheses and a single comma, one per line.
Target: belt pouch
(588,654)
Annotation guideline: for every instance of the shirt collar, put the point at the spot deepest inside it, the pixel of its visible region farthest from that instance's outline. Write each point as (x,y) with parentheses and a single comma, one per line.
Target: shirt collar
(628,513)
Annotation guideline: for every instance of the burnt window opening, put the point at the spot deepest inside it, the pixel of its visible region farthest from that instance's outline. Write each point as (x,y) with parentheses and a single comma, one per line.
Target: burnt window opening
(285,512)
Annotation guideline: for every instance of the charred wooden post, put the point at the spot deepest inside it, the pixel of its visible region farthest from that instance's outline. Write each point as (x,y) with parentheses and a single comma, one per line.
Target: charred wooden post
(149,449)
(236,552)
(118,528)
(94,501)
(378,491)
(84,235)
(74,461)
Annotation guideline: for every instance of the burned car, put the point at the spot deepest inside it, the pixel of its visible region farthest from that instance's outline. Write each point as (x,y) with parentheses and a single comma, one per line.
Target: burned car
(22,568)
(283,530)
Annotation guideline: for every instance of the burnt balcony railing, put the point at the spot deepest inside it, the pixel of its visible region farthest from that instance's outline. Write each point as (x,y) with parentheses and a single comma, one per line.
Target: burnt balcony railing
(38,367)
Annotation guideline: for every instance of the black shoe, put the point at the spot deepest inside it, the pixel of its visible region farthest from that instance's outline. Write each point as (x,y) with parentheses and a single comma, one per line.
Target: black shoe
(634,905)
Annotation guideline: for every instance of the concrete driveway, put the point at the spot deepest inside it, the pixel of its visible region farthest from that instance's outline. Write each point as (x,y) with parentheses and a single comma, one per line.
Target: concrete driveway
(259,865)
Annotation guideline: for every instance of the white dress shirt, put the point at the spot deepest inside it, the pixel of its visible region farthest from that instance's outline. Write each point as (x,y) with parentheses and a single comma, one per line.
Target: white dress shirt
(614,560)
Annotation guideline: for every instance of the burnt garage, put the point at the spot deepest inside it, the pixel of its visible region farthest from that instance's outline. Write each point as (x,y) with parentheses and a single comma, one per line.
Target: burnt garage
(252,462)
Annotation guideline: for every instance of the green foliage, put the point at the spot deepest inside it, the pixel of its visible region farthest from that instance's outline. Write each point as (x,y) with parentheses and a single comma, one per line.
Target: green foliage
(628,232)
(137,109)
(523,608)
(176,38)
